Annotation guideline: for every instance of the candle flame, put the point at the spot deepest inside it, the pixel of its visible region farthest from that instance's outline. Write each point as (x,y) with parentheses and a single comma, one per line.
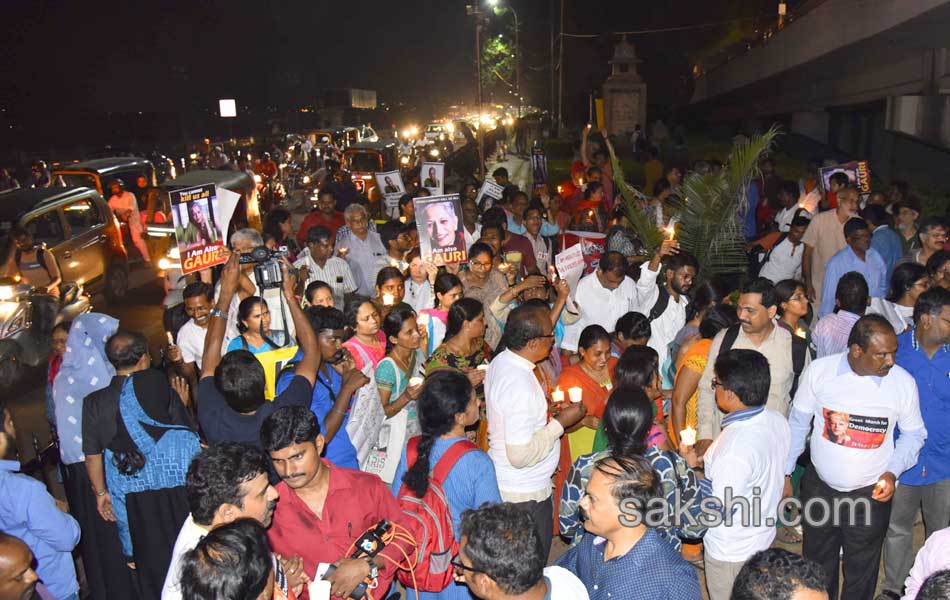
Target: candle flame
(670,231)
(800,332)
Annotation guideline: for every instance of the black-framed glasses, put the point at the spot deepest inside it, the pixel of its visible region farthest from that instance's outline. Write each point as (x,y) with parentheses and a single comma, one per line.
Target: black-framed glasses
(549,336)
(457,564)
(715,383)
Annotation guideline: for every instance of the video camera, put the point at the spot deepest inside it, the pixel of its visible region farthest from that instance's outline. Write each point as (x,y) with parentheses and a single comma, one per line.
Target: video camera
(266,263)
(368,545)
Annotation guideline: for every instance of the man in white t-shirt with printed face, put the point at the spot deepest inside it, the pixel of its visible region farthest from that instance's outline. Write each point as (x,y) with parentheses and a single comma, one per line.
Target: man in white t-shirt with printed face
(852,402)
(522,443)
(746,460)
(518,572)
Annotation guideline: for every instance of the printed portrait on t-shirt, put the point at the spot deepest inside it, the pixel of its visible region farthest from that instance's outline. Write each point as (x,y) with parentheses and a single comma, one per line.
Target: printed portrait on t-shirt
(854,431)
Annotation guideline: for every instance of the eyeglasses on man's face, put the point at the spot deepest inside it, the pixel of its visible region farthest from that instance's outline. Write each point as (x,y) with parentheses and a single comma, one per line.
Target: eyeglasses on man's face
(457,564)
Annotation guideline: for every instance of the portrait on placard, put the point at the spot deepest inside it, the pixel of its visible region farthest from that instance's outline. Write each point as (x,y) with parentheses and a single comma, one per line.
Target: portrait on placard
(197,232)
(433,177)
(441,234)
(391,185)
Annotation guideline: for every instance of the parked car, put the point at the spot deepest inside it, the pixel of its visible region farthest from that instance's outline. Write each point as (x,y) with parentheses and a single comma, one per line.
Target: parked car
(99,173)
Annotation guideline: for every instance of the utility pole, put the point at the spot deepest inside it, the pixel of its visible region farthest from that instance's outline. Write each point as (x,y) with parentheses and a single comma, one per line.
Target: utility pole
(475,10)
(517,58)
(560,77)
(551,24)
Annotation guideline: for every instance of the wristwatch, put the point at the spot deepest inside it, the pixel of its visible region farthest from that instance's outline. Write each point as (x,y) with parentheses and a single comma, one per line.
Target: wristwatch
(217,312)
(373,569)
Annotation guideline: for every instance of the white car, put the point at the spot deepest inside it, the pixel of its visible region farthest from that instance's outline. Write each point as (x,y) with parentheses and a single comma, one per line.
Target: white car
(437,131)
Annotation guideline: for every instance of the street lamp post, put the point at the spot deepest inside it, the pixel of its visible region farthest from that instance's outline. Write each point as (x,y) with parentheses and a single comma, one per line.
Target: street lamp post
(495,3)
(475,10)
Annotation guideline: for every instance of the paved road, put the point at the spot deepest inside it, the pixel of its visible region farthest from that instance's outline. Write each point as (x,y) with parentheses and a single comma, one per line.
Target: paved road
(140,311)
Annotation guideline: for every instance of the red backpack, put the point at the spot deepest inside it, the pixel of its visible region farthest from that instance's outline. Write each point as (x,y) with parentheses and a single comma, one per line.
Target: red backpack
(430,522)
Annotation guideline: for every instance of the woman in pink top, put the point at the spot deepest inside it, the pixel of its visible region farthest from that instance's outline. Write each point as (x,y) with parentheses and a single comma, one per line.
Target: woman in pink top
(368,342)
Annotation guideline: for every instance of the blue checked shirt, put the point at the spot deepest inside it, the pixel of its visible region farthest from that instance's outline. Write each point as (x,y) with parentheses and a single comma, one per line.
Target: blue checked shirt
(651,570)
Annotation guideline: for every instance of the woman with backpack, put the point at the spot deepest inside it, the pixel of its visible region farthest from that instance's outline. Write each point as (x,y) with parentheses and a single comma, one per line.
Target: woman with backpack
(446,406)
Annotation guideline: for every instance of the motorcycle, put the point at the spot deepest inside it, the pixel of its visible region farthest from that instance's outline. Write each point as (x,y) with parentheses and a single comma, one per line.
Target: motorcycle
(21,345)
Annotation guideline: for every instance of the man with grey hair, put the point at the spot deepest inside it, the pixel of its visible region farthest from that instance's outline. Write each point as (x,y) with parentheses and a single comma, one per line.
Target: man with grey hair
(360,246)
(243,241)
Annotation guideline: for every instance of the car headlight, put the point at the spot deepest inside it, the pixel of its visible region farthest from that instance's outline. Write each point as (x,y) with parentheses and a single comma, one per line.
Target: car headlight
(193,155)
(413,130)
(433,152)
(6,292)
(404,160)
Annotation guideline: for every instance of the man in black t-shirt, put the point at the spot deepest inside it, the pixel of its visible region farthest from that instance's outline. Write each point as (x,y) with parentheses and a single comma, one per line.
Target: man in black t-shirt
(231,403)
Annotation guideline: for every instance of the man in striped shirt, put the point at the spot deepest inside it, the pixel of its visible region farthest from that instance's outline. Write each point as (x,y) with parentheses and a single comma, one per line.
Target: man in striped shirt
(317,263)
(851,300)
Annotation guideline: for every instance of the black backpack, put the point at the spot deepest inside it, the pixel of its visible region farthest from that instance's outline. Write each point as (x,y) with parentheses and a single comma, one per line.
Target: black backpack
(799,351)
(662,301)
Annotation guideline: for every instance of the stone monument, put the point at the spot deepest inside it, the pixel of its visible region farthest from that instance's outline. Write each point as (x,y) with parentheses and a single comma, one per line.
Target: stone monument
(624,92)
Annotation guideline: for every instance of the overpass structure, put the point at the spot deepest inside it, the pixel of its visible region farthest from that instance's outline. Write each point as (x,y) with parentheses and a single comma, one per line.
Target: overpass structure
(869,78)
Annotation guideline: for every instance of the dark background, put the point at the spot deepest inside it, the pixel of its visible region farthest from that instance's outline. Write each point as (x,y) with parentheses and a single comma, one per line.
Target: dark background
(85,70)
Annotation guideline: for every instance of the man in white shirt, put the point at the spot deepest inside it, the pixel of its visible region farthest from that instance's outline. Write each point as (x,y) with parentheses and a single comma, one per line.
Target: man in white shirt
(664,302)
(784,260)
(225,482)
(523,444)
(360,247)
(603,297)
(317,263)
(189,345)
(853,402)
(791,208)
(747,460)
(126,210)
(756,331)
(518,571)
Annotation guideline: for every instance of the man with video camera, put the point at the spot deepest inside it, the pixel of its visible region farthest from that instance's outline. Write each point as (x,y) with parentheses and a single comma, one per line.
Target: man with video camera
(231,403)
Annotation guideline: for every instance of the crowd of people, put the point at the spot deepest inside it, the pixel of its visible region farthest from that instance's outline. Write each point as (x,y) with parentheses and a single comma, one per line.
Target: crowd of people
(376,424)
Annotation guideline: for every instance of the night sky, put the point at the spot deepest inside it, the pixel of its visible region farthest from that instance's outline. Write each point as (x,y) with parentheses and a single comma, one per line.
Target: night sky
(73,59)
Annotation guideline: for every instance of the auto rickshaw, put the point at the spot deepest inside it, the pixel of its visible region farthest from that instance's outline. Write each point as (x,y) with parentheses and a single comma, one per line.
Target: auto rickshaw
(101,172)
(365,159)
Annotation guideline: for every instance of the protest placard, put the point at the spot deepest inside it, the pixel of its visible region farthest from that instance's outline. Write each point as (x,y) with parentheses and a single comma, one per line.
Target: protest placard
(858,172)
(539,166)
(197,231)
(490,193)
(391,186)
(570,265)
(592,246)
(441,234)
(433,174)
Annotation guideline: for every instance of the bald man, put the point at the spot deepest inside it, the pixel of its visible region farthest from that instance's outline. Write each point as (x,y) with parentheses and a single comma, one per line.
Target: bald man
(17,577)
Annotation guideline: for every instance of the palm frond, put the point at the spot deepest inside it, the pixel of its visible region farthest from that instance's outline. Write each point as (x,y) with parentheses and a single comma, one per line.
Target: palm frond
(711,222)
(642,225)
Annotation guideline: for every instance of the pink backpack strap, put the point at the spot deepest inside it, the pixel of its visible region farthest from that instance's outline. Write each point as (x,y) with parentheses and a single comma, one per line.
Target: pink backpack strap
(448,460)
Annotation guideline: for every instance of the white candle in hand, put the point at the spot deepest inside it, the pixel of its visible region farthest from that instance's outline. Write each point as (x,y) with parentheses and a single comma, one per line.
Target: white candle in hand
(688,436)
(171,339)
(576,394)
(415,381)
(482,367)
(557,396)
(388,299)
(423,319)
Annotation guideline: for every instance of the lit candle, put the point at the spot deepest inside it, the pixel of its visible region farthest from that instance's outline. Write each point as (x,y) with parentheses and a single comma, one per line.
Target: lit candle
(171,339)
(800,332)
(483,367)
(503,267)
(402,219)
(393,263)
(688,436)
(343,251)
(670,231)
(423,319)
(557,396)
(415,381)
(580,181)
(388,299)
(880,485)
(575,394)
(590,214)
(559,189)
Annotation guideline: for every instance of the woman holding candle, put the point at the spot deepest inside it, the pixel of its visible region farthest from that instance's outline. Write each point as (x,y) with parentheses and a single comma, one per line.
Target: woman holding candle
(464,349)
(367,343)
(592,378)
(690,364)
(390,291)
(793,308)
(253,323)
(447,290)
(627,422)
(485,284)
(395,374)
